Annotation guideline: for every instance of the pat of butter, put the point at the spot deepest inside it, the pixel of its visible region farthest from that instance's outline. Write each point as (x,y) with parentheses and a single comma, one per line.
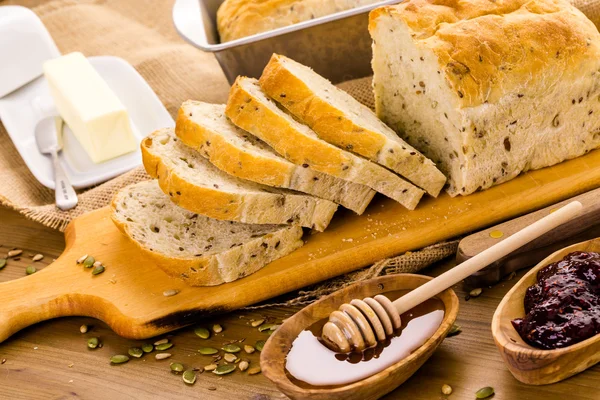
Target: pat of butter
(96,116)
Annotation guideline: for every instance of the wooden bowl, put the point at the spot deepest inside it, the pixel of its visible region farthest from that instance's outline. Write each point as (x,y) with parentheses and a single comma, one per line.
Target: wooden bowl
(529,364)
(272,359)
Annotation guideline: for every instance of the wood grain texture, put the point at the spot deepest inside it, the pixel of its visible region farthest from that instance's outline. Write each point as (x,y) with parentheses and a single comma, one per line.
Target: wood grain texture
(273,357)
(128,296)
(467,362)
(527,363)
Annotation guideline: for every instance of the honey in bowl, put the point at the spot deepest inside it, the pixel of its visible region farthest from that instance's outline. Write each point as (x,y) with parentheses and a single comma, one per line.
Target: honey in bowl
(311,364)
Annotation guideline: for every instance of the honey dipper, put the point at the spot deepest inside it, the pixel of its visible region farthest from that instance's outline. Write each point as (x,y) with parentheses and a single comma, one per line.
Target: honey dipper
(360,324)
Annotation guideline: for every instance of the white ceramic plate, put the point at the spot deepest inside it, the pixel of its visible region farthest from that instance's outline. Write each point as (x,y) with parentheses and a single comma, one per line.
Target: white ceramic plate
(20,113)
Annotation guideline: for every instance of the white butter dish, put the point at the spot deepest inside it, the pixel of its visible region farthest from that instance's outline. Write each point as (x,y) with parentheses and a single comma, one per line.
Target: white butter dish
(24,46)
(20,111)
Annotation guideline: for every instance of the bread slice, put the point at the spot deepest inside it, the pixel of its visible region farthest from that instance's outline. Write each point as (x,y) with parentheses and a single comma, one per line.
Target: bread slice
(241,154)
(193,183)
(200,250)
(249,108)
(338,118)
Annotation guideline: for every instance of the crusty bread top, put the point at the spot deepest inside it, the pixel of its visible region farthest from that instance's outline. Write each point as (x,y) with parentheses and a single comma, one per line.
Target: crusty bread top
(489,49)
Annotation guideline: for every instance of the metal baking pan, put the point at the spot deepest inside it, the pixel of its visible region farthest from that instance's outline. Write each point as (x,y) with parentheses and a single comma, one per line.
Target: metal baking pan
(337,46)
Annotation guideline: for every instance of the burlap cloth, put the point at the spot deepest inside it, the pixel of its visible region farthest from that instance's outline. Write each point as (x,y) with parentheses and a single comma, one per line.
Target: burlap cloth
(141,32)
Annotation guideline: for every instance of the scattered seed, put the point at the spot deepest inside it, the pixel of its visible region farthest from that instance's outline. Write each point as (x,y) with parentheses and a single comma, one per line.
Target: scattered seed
(446,389)
(230,357)
(170,292)
(202,333)
(257,323)
(82,259)
(119,359)
(83,328)
(89,262)
(259,345)
(475,292)
(2,263)
(224,369)
(217,328)
(211,388)
(14,253)
(30,270)
(254,370)
(162,356)
(210,367)
(97,264)
(92,343)
(217,358)
(98,270)
(455,330)
(147,348)
(176,367)
(231,348)
(484,393)
(161,341)
(243,365)
(3,361)
(164,346)
(37,257)
(511,276)
(208,350)
(249,349)
(136,352)
(189,377)
(268,327)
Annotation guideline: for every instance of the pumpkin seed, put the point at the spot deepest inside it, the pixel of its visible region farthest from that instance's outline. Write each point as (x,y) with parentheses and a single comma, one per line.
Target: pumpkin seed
(92,343)
(254,370)
(30,270)
(249,349)
(484,393)
(83,328)
(446,389)
(89,262)
(202,333)
(170,292)
(230,357)
(268,327)
(164,346)
(243,365)
(135,352)
(176,367)
(208,350)
(231,348)
(475,292)
(162,356)
(14,253)
(2,263)
(189,377)
(455,330)
(259,345)
(37,257)
(98,270)
(224,369)
(82,259)
(217,328)
(161,341)
(258,322)
(119,359)
(210,367)
(147,348)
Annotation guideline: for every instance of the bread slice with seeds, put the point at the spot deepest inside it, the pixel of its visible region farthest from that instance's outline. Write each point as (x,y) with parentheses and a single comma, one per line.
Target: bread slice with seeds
(200,250)
(252,110)
(338,118)
(193,183)
(205,128)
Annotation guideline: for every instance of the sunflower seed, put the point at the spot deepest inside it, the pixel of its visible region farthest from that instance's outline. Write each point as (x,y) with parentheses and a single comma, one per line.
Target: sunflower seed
(161,341)
(30,270)
(162,356)
(210,367)
(82,259)
(37,257)
(97,264)
(243,365)
(231,348)
(176,367)
(484,393)
(89,262)
(230,357)
(475,292)
(83,328)
(217,328)
(254,370)
(203,333)
(259,345)
(164,346)
(170,292)
(2,263)
(257,323)
(249,349)
(224,369)
(98,270)
(189,377)
(147,348)
(119,359)
(14,253)
(92,343)
(135,352)
(446,389)
(208,350)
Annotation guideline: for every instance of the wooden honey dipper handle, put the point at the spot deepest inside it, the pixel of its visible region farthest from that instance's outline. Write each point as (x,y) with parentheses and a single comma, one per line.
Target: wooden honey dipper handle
(486,257)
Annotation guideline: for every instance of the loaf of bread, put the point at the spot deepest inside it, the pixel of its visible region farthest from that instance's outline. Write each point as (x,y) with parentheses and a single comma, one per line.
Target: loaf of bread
(193,183)
(242,155)
(488,89)
(201,251)
(240,18)
(252,110)
(339,119)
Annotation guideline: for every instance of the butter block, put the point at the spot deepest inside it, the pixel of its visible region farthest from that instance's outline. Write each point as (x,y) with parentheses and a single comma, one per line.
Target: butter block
(94,113)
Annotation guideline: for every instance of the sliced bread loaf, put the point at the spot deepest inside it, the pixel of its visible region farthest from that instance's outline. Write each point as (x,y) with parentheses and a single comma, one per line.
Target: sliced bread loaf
(202,251)
(195,184)
(252,110)
(338,118)
(205,127)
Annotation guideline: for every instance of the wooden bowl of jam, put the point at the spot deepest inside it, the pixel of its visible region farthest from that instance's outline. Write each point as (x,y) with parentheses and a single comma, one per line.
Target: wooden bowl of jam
(547,326)
(319,373)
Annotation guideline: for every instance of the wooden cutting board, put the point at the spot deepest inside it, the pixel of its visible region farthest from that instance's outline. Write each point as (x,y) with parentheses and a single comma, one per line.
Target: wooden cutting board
(128,296)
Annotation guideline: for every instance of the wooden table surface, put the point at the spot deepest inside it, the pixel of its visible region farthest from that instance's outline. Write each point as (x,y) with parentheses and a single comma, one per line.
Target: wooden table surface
(51,360)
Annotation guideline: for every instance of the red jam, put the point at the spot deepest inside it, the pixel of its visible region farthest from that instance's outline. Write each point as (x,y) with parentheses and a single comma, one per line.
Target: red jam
(563,307)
